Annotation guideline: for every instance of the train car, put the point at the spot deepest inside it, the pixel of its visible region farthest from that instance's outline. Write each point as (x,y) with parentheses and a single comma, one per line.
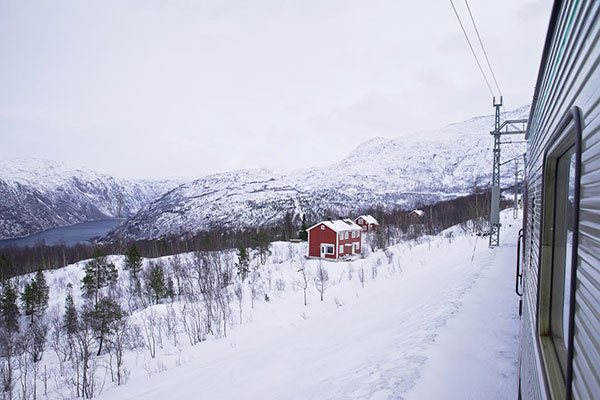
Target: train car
(559,276)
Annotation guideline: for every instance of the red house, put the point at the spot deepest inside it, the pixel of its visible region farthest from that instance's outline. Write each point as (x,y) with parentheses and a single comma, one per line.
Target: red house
(334,239)
(367,222)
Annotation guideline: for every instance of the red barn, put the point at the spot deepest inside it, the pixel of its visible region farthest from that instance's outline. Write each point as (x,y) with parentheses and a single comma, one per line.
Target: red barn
(334,239)
(367,222)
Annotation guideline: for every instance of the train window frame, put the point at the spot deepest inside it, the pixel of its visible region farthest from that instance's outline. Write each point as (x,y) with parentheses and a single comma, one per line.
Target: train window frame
(556,357)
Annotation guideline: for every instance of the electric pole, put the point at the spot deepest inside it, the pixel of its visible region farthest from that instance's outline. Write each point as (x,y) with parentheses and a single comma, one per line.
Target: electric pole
(516,199)
(508,127)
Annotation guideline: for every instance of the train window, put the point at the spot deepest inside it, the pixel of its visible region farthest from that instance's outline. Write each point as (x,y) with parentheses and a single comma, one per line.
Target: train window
(561,259)
(557,264)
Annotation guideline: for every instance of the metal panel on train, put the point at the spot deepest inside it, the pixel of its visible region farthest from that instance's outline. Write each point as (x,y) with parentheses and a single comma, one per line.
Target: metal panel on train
(569,77)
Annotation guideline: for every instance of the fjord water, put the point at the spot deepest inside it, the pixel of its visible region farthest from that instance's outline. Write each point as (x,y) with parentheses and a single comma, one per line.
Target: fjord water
(70,235)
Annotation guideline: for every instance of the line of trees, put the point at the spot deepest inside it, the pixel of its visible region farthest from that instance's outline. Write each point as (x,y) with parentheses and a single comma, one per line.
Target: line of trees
(396,222)
(22,340)
(16,261)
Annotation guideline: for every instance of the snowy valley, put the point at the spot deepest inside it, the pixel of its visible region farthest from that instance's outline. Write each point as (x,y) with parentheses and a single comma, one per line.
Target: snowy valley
(226,200)
(417,169)
(411,170)
(390,322)
(41,194)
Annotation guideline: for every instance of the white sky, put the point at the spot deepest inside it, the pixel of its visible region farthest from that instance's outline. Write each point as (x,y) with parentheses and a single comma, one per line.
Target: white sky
(150,88)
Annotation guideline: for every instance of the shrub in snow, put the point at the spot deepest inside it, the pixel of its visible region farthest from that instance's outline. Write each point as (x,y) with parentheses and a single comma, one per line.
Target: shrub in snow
(280,284)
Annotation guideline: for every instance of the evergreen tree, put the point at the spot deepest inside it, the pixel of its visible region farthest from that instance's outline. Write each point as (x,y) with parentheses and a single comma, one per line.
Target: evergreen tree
(34,298)
(9,311)
(102,318)
(42,293)
(70,317)
(170,288)
(243,265)
(304,230)
(99,273)
(288,225)
(133,262)
(262,241)
(156,283)
(28,298)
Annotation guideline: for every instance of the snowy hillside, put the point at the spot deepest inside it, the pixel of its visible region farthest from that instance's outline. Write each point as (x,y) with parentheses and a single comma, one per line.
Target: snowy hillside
(402,172)
(40,194)
(432,318)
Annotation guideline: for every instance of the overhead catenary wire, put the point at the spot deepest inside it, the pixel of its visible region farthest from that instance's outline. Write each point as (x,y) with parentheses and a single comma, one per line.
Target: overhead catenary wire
(472,50)
(513,159)
(483,48)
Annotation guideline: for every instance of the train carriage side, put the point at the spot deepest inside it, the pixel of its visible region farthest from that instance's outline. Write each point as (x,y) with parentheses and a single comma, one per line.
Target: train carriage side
(560,328)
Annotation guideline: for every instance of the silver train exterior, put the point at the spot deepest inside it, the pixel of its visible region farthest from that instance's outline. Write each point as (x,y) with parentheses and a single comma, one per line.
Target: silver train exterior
(559,276)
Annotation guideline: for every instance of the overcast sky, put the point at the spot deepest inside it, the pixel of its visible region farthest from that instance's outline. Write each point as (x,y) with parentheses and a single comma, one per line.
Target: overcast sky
(150,89)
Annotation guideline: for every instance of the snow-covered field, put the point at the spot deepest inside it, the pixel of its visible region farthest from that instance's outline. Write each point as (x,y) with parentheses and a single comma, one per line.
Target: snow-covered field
(436,319)
(439,321)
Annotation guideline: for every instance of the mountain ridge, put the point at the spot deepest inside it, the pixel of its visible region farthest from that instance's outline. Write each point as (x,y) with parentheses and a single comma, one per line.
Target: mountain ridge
(40,194)
(402,172)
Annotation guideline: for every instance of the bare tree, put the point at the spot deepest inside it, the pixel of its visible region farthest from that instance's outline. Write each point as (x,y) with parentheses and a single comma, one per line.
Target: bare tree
(58,341)
(361,276)
(35,344)
(118,342)
(193,321)
(239,295)
(375,268)
(150,323)
(9,344)
(24,367)
(255,287)
(321,279)
(172,325)
(86,368)
(178,272)
(303,280)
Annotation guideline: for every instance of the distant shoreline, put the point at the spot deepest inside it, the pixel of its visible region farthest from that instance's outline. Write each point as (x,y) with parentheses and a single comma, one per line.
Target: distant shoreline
(81,232)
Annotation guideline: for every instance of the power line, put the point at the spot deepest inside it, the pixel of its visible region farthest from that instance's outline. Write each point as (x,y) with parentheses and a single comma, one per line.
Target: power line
(471,47)
(483,48)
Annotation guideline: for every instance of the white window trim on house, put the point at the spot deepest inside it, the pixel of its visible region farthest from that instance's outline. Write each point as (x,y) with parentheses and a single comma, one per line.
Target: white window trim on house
(327,248)
(346,235)
(322,227)
(341,248)
(341,236)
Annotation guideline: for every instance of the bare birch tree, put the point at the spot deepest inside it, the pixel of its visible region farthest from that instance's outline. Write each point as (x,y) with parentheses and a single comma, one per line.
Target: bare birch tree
(321,279)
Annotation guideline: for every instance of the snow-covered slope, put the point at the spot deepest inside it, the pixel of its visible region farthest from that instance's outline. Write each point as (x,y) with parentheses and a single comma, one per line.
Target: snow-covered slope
(414,169)
(40,194)
(434,318)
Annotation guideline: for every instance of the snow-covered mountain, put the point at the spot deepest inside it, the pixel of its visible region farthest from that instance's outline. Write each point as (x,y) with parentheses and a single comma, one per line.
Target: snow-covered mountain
(403,172)
(40,194)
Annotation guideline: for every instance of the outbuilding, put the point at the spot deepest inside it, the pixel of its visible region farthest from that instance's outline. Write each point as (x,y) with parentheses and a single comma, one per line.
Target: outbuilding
(416,216)
(368,223)
(334,239)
